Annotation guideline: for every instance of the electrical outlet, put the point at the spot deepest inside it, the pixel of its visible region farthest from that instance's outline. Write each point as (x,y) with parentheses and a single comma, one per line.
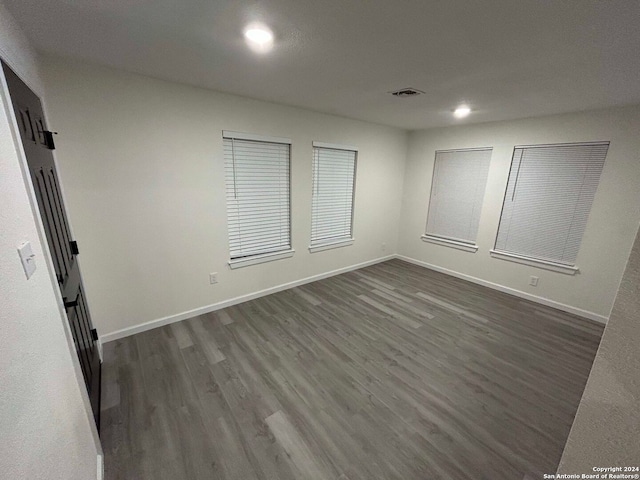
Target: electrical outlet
(213,278)
(27,257)
(383,247)
(533,281)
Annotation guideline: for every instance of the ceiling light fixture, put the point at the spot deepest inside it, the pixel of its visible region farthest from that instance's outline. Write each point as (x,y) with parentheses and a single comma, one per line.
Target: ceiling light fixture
(259,38)
(462,111)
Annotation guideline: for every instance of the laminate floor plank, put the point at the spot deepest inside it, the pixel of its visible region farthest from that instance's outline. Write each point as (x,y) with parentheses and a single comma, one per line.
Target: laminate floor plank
(224,317)
(392,371)
(181,334)
(205,340)
(299,454)
(307,296)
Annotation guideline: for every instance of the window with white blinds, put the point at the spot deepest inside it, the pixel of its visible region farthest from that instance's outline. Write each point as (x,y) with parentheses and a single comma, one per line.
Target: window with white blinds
(548,200)
(334,169)
(457,192)
(258,201)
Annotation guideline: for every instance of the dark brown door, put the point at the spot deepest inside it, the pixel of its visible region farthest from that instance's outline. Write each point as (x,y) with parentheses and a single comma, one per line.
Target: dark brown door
(38,143)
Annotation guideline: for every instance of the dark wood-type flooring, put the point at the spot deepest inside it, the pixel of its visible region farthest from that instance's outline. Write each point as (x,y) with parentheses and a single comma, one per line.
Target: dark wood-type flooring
(388,372)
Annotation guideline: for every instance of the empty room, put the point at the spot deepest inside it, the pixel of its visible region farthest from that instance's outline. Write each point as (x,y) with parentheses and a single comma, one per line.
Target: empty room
(337,240)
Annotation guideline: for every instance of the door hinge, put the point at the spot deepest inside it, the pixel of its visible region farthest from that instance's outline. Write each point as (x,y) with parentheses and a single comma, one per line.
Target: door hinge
(74,247)
(48,139)
(71,304)
(94,334)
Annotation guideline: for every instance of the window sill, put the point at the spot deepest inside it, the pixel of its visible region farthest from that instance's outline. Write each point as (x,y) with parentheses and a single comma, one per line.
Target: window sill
(445,242)
(329,246)
(533,262)
(263,258)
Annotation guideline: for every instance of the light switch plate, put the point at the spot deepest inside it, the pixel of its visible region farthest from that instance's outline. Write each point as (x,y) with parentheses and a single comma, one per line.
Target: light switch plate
(27,257)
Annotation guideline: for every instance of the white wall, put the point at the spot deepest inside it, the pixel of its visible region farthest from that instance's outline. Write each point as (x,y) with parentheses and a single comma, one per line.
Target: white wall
(16,50)
(142,163)
(610,231)
(45,427)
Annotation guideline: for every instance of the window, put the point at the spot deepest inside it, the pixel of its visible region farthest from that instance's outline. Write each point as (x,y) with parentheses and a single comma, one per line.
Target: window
(334,169)
(547,203)
(257,187)
(457,192)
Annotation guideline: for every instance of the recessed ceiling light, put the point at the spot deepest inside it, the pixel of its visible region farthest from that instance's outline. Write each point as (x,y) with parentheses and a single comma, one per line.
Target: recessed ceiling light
(462,111)
(259,38)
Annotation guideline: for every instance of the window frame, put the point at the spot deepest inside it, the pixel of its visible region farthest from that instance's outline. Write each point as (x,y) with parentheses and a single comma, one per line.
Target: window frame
(255,259)
(343,242)
(459,244)
(546,264)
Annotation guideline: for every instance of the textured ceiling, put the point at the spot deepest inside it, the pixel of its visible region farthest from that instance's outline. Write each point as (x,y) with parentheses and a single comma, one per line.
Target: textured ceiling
(506,58)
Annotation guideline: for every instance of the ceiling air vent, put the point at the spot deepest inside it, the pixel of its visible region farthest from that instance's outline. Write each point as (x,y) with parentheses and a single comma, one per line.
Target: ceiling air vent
(406,92)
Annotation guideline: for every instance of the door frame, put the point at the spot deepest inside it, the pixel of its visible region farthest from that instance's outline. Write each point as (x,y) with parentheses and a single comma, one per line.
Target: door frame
(5,99)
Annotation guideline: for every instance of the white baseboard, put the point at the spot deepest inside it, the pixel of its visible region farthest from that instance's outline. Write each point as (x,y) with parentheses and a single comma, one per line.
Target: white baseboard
(125,332)
(100,473)
(512,291)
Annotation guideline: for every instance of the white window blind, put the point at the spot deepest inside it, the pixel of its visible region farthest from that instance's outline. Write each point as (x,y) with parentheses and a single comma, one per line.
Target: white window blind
(457,192)
(548,200)
(333,191)
(257,187)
